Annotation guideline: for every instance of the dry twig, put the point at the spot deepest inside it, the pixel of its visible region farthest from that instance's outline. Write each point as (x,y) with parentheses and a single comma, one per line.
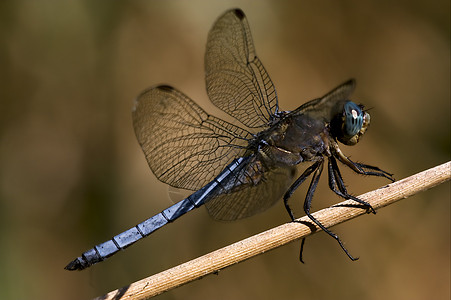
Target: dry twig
(278,236)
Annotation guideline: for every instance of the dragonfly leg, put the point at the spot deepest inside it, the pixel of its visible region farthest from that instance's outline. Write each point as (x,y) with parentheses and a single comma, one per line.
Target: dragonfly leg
(296,184)
(307,206)
(374,168)
(361,168)
(301,250)
(290,192)
(336,181)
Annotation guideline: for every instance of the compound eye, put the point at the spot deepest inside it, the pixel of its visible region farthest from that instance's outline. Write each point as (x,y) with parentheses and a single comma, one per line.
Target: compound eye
(353,119)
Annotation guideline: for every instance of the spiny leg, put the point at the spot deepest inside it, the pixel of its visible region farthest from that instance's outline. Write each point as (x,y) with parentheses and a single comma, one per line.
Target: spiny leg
(334,176)
(296,184)
(290,192)
(375,169)
(336,180)
(361,168)
(301,250)
(307,206)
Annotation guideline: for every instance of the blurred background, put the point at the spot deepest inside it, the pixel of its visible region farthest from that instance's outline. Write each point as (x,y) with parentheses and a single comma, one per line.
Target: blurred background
(72,174)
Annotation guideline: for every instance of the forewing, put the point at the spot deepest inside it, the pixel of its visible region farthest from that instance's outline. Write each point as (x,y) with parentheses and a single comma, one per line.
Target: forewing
(184,146)
(236,80)
(324,107)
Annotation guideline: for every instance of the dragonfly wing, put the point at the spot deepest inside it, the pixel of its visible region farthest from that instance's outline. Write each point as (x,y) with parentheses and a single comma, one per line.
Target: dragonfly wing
(184,146)
(236,80)
(325,107)
(251,190)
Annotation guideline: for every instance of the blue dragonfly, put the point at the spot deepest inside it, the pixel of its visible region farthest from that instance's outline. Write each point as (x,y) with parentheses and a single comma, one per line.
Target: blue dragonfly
(238,171)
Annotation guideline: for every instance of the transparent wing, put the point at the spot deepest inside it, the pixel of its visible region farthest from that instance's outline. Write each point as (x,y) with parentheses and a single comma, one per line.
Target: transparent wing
(236,80)
(184,146)
(251,190)
(325,107)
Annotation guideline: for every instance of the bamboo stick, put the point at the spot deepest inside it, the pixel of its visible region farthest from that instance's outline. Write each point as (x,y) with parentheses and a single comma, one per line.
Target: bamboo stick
(278,236)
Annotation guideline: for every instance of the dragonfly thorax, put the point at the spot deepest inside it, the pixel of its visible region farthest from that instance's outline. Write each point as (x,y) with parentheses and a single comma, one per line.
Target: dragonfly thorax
(293,140)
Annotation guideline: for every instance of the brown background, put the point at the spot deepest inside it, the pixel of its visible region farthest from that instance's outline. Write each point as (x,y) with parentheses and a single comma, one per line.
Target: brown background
(73,175)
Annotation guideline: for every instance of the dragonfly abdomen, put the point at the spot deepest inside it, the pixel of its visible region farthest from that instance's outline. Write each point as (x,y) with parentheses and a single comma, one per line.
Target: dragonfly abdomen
(144,229)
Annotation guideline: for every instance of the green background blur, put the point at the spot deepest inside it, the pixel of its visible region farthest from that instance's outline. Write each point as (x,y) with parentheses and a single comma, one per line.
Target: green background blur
(72,174)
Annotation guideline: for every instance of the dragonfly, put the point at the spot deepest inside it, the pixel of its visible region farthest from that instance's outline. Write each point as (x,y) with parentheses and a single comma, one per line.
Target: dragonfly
(237,171)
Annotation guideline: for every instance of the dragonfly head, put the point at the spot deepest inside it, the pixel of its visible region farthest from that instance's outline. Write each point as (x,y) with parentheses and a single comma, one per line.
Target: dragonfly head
(349,125)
